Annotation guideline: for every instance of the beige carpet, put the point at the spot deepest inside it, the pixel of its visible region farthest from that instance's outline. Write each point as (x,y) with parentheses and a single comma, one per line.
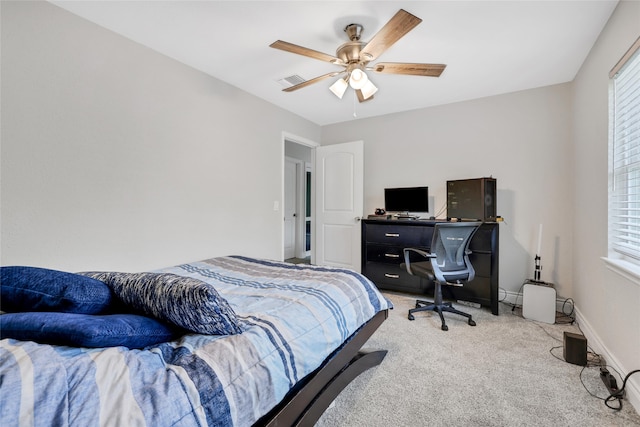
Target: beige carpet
(502,372)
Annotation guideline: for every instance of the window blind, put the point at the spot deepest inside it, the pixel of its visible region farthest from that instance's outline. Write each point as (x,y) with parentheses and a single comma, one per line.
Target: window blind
(624,192)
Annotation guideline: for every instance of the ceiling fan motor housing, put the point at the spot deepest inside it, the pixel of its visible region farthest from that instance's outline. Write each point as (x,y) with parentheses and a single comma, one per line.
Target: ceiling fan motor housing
(354,31)
(349,52)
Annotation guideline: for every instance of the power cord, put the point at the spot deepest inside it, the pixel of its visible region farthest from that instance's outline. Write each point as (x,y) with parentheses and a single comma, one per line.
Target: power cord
(519,294)
(595,360)
(504,297)
(567,318)
(441,210)
(618,395)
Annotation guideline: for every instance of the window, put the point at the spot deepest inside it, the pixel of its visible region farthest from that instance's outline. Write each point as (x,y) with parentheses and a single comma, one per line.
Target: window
(624,152)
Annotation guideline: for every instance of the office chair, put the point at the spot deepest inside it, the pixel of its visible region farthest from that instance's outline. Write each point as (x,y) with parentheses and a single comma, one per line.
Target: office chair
(447,264)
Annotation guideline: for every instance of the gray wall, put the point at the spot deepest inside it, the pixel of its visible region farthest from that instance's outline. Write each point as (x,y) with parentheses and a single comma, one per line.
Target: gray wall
(608,303)
(116,157)
(521,139)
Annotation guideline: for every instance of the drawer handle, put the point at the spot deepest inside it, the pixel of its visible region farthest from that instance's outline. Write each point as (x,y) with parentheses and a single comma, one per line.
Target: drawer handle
(392,276)
(392,255)
(391,234)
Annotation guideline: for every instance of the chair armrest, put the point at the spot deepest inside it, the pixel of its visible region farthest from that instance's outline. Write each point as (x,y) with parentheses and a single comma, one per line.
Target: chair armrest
(418,251)
(407,261)
(472,271)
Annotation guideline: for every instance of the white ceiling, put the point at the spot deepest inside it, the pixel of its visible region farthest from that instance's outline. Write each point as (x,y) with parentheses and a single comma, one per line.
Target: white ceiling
(490,47)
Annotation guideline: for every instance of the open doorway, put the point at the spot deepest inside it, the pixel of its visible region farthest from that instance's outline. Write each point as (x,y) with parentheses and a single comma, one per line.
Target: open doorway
(298,200)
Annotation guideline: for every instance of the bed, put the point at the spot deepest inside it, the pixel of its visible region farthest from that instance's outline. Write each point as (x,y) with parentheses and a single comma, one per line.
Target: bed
(297,343)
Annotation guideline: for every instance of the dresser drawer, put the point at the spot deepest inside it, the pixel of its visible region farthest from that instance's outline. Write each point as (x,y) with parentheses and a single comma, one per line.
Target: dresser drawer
(385,254)
(401,235)
(391,276)
(390,254)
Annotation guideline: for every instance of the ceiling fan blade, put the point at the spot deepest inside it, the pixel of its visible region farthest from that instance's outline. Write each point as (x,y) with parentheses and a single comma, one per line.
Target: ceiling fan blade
(429,70)
(293,48)
(312,81)
(361,97)
(401,23)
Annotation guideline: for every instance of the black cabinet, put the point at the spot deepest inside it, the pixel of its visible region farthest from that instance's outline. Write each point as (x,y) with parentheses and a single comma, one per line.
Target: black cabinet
(383,242)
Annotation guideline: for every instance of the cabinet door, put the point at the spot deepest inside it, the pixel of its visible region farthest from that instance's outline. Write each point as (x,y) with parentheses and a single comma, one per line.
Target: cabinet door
(478,290)
(481,263)
(483,240)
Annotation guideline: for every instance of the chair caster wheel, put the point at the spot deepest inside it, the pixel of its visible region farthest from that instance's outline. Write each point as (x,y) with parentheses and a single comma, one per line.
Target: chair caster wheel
(445,328)
(472,323)
(410,317)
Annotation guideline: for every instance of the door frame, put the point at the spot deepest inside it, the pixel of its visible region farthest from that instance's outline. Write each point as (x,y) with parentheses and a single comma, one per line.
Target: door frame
(307,169)
(300,230)
(297,166)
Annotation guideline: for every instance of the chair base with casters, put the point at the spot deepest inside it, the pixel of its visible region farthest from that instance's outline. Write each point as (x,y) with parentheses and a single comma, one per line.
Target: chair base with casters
(439,306)
(447,263)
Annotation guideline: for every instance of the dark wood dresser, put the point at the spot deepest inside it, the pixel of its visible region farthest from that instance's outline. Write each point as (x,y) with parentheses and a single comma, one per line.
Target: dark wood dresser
(383,242)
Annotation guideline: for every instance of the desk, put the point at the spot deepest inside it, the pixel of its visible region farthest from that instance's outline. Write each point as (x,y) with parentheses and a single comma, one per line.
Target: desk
(383,242)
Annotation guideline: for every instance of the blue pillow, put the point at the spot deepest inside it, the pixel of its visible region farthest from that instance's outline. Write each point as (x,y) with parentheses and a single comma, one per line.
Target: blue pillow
(85,330)
(41,289)
(183,301)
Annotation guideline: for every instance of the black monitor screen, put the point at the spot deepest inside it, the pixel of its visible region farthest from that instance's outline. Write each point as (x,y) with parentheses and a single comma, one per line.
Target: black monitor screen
(407,199)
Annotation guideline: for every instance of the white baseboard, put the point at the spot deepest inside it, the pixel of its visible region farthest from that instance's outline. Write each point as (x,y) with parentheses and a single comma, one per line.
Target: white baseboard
(632,389)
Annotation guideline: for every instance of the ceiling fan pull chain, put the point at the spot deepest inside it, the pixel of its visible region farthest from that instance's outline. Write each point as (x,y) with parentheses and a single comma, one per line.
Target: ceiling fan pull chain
(355,116)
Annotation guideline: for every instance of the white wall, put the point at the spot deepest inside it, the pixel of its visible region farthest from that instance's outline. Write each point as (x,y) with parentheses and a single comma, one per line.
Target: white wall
(113,156)
(521,139)
(116,157)
(608,304)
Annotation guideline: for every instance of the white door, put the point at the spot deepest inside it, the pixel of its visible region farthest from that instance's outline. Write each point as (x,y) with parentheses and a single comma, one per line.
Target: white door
(290,203)
(339,204)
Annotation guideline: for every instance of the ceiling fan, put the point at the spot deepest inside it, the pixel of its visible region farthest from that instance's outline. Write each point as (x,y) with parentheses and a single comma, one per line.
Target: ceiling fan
(355,55)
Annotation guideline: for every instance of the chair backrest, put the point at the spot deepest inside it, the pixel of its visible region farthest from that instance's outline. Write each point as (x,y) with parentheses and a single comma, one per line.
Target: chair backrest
(450,246)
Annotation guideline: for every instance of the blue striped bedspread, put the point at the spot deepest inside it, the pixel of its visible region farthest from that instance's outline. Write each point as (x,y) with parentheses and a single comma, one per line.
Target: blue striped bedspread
(293,317)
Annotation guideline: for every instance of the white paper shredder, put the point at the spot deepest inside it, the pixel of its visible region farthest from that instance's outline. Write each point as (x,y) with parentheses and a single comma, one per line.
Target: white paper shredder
(539,302)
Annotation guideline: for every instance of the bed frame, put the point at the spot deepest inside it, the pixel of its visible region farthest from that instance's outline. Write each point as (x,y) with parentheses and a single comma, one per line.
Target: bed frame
(307,401)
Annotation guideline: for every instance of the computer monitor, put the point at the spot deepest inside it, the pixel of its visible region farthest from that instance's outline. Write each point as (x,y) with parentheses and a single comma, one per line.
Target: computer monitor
(406,199)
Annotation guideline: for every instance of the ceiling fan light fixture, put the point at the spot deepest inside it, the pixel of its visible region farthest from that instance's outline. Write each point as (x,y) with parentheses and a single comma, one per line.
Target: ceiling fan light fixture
(358,79)
(368,90)
(355,55)
(339,87)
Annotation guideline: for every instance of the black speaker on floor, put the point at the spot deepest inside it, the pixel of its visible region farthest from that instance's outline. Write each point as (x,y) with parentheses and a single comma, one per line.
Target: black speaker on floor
(575,349)
(472,199)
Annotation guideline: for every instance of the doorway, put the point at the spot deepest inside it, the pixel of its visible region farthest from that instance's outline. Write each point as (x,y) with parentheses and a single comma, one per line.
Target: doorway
(298,199)
(336,174)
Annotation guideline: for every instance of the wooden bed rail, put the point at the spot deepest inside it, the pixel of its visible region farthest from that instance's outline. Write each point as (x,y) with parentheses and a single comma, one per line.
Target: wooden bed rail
(304,405)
